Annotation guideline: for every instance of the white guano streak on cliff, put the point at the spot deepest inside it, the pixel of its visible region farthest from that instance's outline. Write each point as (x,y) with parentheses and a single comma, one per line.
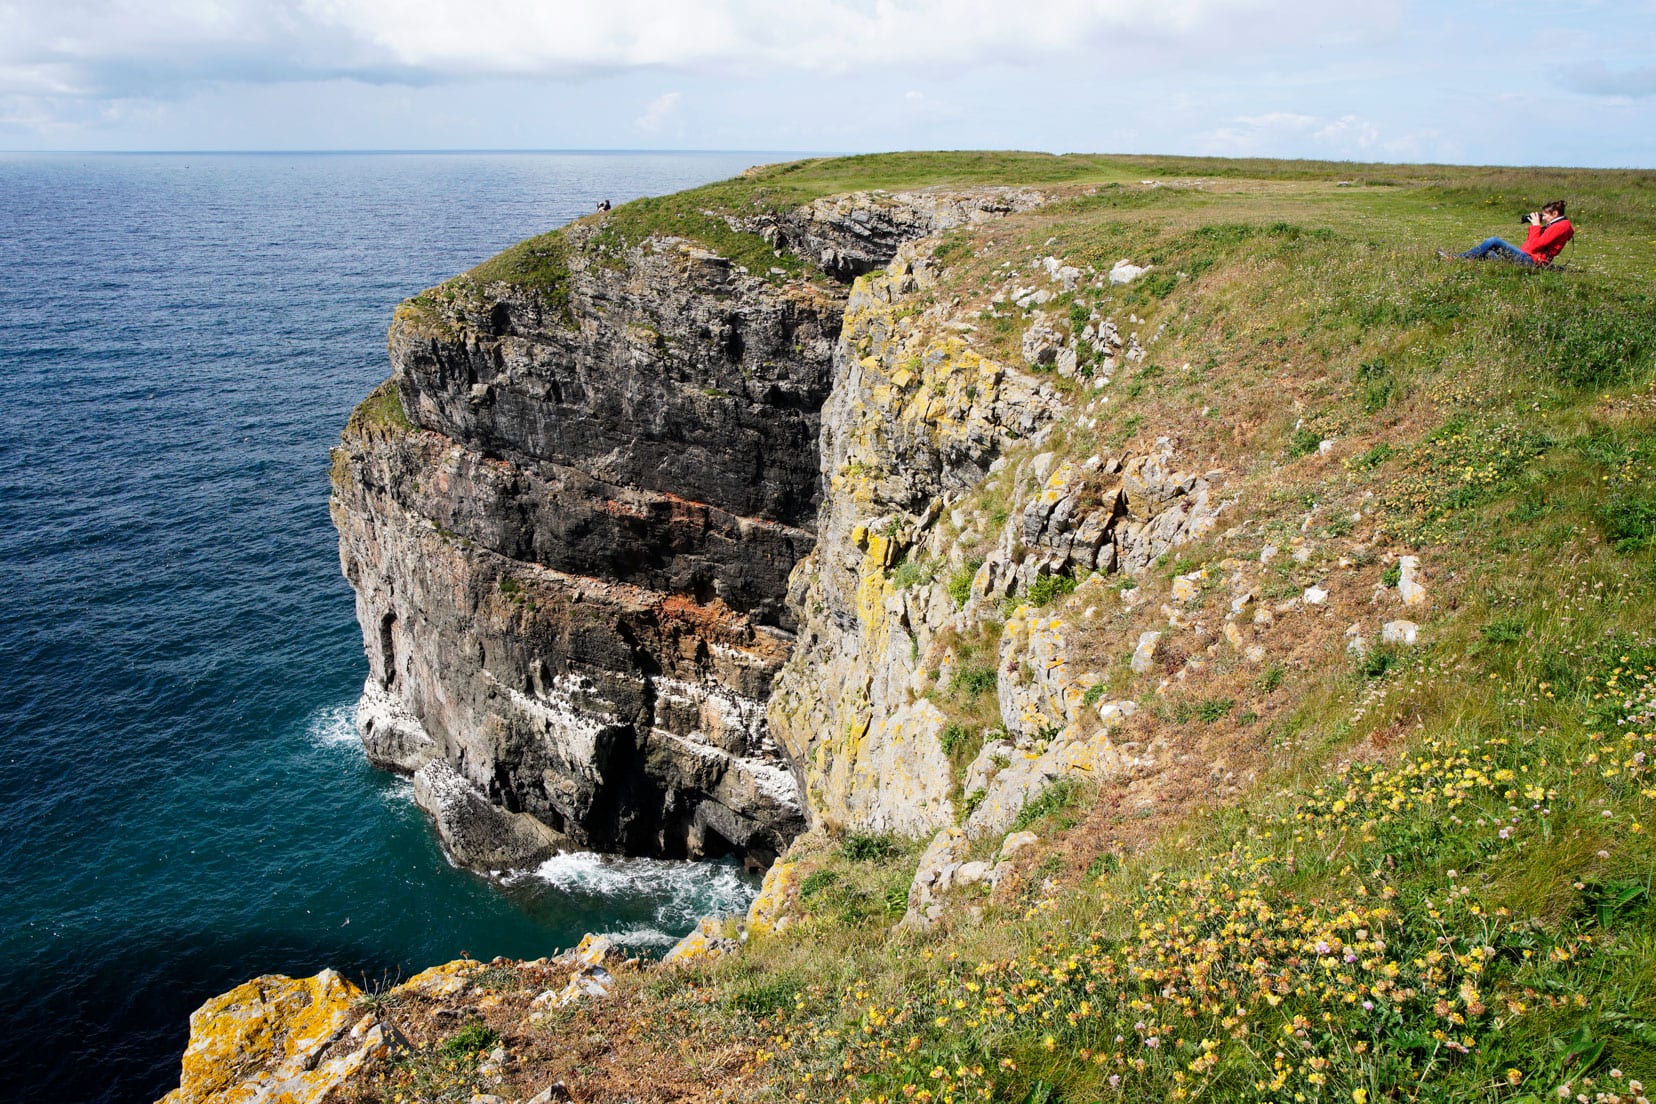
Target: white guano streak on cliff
(733,710)
(378,706)
(739,655)
(573,731)
(775,782)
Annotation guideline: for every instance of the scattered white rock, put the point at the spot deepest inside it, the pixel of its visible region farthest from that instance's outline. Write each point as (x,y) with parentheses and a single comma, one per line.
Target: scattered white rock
(1325,446)
(1268,553)
(491,1067)
(1399,632)
(1112,711)
(1144,655)
(1315,596)
(1016,842)
(555,1093)
(1125,272)
(1188,588)
(1409,587)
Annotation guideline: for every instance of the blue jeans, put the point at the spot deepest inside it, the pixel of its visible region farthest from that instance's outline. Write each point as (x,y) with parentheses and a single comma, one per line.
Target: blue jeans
(1499,249)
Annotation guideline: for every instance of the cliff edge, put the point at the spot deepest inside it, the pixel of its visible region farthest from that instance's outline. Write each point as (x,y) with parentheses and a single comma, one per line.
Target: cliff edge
(570,515)
(1169,635)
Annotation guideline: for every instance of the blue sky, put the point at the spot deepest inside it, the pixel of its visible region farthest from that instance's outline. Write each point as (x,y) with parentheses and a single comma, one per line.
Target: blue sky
(1566,82)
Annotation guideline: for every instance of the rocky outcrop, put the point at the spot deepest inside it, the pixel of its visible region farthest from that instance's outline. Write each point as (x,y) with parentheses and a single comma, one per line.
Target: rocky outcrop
(916,417)
(856,233)
(568,536)
(280,1039)
(570,519)
(917,424)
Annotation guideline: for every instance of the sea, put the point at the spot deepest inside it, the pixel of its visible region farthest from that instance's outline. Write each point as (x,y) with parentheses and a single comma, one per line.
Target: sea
(183,802)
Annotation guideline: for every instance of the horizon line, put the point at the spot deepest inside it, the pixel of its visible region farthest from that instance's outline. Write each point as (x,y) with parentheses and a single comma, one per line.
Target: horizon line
(455,149)
(793,154)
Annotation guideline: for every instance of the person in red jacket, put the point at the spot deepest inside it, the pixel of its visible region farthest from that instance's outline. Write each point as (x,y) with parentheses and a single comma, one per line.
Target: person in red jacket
(1549,233)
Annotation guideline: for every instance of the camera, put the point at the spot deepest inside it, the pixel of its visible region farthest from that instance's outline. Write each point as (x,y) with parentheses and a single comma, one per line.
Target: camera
(1523,220)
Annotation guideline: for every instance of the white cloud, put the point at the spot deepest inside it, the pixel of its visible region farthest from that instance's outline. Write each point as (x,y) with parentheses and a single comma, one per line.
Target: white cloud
(1343,136)
(113,47)
(661,114)
(1348,132)
(1279,120)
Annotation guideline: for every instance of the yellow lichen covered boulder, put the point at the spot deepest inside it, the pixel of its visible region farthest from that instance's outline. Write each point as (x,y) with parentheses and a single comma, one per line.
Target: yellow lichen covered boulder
(707,941)
(441,981)
(263,1041)
(772,910)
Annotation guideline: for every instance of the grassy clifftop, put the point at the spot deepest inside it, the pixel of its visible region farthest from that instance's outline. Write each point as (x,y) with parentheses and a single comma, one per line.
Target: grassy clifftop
(1437,885)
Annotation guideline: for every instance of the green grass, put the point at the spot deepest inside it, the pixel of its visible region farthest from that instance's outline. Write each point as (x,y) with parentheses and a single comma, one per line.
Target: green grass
(1468,821)
(1499,421)
(911,573)
(866,847)
(1049,588)
(381,410)
(1053,803)
(960,583)
(473,1038)
(972,681)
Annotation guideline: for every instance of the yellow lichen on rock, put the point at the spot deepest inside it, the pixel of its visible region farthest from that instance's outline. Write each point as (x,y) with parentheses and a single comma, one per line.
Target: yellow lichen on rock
(707,941)
(442,981)
(277,1027)
(773,908)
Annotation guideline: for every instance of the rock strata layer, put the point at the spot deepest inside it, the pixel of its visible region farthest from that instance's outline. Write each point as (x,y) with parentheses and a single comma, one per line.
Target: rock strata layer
(570,519)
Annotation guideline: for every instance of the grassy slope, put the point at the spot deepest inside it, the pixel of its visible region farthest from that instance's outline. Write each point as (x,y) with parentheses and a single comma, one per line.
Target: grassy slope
(1441,889)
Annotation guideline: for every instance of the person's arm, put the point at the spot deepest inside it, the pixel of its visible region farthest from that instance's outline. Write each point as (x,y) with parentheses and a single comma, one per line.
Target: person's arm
(1548,239)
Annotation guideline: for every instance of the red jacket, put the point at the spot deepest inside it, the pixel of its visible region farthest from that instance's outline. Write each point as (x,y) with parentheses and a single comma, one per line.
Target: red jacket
(1543,243)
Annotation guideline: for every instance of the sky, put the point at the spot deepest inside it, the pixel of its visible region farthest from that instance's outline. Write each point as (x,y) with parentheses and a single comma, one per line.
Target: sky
(1569,82)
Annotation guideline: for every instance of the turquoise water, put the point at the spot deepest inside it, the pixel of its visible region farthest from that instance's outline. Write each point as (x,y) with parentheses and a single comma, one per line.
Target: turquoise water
(182,801)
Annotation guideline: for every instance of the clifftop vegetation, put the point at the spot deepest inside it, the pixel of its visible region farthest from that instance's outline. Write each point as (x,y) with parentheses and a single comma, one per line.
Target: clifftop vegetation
(1434,880)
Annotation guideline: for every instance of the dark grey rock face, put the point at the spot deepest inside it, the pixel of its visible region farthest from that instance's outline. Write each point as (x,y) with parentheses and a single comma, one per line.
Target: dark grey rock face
(571,544)
(571,568)
(674,374)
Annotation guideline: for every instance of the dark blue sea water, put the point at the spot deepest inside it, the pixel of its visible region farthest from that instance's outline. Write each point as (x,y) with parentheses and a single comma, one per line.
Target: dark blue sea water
(182,802)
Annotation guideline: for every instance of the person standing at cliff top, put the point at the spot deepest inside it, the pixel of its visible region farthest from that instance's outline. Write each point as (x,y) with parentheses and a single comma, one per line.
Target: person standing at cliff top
(1549,233)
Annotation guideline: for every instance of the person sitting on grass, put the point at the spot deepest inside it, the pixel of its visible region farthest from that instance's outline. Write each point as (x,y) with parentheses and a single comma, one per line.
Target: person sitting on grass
(1549,233)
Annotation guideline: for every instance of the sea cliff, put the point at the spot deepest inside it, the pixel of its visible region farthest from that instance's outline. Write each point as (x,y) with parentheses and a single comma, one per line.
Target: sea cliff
(1096,601)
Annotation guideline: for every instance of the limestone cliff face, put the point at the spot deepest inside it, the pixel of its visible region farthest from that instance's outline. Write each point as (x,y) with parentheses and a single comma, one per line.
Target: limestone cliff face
(911,572)
(570,519)
(916,418)
(656,555)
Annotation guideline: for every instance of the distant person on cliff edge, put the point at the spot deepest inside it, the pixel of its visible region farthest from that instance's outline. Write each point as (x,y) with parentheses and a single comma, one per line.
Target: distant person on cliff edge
(1549,233)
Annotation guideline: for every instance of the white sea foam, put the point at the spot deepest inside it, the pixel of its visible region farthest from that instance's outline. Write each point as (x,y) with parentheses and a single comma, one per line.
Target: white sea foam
(675,894)
(399,792)
(333,726)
